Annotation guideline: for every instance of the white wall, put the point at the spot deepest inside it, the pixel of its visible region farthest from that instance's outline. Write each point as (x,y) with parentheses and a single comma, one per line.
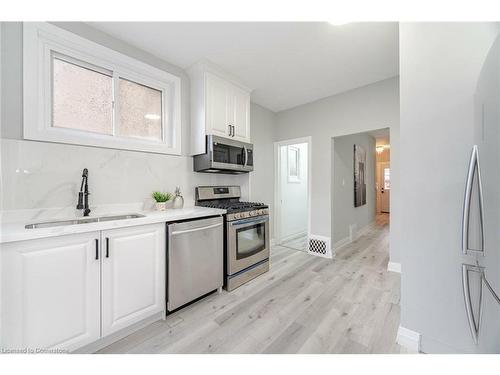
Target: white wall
(262,178)
(294,198)
(344,214)
(439,68)
(367,108)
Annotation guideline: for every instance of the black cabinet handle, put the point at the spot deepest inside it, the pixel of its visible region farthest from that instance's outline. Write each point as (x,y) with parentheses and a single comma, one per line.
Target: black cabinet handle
(96,249)
(233,129)
(107,247)
(229,126)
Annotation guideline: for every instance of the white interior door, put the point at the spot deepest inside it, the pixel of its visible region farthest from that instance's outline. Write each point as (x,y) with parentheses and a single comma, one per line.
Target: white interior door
(133,275)
(51,292)
(384,186)
(293,185)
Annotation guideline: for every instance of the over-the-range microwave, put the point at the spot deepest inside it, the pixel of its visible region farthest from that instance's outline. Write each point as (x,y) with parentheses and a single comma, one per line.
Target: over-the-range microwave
(225,156)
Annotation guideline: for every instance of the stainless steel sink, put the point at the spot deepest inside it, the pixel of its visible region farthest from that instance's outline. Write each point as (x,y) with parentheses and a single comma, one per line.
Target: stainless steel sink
(85,220)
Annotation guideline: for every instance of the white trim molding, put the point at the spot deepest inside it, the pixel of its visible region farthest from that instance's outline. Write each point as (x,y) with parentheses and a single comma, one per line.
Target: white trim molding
(43,42)
(394,267)
(408,339)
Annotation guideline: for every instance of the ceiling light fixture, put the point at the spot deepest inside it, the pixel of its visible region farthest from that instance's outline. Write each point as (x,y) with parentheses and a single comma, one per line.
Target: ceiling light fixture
(152,116)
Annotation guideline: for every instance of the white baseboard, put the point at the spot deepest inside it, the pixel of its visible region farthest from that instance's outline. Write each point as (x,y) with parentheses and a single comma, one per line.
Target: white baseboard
(353,236)
(408,339)
(294,236)
(394,267)
(342,242)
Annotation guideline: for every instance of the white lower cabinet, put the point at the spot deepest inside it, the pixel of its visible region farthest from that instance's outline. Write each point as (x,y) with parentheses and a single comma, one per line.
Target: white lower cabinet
(69,291)
(50,293)
(133,275)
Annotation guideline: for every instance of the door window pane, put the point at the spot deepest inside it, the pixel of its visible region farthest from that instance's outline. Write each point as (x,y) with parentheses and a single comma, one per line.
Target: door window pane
(82,98)
(387,178)
(140,111)
(250,240)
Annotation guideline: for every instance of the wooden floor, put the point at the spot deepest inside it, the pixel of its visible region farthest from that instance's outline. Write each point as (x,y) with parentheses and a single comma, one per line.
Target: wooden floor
(305,304)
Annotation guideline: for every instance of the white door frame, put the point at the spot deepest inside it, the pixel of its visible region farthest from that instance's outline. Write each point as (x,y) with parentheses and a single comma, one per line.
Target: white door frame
(277,184)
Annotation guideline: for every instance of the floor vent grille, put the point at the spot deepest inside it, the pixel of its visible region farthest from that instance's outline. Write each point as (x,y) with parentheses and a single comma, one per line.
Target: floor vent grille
(319,246)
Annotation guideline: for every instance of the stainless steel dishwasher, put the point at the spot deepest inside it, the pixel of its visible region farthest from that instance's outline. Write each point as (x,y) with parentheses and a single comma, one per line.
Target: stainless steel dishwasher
(195,260)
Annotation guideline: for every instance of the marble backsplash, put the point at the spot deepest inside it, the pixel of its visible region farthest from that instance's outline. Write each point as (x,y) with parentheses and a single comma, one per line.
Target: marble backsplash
(42,175)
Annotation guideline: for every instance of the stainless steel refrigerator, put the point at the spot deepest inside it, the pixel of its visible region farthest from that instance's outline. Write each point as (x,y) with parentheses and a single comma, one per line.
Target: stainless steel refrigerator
(481,213)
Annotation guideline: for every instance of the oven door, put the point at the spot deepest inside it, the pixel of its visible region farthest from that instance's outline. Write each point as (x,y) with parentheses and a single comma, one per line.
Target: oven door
(247,243)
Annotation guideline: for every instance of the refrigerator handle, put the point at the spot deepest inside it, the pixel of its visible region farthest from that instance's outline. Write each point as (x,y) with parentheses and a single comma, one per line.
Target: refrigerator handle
(474,171)
(474,323)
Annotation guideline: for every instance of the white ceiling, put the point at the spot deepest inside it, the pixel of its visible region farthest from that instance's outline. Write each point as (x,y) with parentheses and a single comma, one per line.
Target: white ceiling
(286,63)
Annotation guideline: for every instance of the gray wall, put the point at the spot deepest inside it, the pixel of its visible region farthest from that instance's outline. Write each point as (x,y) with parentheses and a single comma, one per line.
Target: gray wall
(262,178)
(370,107)
(344,214)
(439,68)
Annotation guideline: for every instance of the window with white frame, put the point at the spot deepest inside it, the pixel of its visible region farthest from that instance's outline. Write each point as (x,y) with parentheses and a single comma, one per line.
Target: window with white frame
(79,92)
(293,164)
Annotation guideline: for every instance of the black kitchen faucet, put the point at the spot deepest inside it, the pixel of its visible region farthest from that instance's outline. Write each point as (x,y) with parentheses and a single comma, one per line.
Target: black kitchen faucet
(83,195)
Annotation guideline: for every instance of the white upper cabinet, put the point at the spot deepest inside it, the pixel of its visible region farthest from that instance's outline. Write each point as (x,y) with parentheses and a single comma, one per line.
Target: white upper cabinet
(241,114)
(51,292)
(133,275)
(218,114)
(219,106)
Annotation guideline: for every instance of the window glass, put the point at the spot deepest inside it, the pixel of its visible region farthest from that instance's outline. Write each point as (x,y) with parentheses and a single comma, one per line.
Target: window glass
(140,111)
(82,98)
(387,178)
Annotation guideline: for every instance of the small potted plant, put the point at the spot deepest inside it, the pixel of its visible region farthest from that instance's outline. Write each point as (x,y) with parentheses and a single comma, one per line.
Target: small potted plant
(161,200)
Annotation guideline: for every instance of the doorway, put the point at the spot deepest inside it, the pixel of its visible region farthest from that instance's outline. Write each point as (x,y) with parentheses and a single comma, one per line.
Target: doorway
(292,181)
(383,185)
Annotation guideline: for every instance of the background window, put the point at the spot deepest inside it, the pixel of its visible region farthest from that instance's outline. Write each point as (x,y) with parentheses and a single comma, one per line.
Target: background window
(293,164)
(387,178)
(82,98)
(140,111)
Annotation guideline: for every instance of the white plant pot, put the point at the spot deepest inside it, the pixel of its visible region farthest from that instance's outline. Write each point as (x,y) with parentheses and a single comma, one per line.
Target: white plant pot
(160,206)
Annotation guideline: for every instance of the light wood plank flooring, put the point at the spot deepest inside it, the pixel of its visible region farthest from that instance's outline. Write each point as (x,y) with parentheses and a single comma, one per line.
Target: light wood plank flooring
(305,304)
(298,243)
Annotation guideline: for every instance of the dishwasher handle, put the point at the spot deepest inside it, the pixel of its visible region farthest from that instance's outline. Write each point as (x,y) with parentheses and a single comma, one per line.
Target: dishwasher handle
(196,229)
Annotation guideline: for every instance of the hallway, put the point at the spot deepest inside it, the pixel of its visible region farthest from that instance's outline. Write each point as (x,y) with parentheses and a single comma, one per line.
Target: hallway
(305,304)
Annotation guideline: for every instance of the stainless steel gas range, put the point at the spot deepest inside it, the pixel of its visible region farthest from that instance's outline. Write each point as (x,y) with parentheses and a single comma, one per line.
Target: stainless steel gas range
(246,233)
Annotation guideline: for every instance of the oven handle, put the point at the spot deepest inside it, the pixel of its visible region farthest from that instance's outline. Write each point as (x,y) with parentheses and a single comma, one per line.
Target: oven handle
(196,229)
(249,221)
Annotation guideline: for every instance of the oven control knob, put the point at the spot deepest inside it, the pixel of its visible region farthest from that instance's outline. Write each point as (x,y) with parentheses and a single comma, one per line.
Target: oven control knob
(237,216)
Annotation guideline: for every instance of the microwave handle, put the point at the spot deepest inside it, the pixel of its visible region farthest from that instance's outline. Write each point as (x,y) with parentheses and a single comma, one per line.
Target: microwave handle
(245,152)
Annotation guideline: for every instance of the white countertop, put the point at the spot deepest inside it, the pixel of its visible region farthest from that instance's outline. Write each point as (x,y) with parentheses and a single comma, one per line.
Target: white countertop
(15,230)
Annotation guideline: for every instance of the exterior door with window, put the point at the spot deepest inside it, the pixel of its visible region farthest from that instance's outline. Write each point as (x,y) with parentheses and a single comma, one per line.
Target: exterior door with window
(384,184)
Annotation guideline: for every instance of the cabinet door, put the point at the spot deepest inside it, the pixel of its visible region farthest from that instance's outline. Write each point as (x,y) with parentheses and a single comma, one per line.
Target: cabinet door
(133,275)
(51,292)
(217,104)
(241,110)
